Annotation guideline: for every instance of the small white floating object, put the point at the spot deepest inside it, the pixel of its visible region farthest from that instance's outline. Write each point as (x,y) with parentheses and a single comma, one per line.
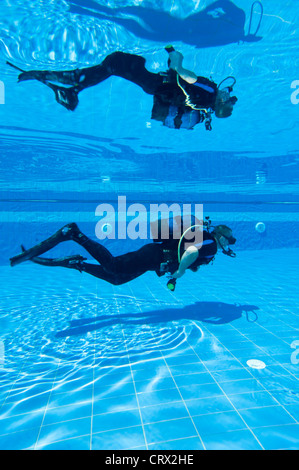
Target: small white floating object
(260,227)
(256,364)
(105,179)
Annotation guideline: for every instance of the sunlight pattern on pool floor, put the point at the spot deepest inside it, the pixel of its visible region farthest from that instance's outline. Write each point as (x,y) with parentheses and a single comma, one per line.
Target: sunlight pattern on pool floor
(96,368)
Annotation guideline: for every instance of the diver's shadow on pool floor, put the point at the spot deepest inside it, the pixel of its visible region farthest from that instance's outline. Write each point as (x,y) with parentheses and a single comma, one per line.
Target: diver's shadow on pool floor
(216,313)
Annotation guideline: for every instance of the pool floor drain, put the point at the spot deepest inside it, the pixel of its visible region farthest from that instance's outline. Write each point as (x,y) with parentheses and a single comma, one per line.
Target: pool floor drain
(256,364)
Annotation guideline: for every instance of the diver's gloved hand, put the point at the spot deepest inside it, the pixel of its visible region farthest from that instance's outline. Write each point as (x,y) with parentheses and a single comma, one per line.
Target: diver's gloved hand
(175,60)
(169,48)
(171,284)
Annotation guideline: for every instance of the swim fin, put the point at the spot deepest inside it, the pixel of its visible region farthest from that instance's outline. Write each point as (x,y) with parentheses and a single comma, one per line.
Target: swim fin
(67,97)
(68,232)
(73,261)
(30,75)
(14,66)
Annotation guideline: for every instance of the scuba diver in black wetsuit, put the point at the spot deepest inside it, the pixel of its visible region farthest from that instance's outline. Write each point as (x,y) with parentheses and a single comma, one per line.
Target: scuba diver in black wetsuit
(163,257)
(181,98)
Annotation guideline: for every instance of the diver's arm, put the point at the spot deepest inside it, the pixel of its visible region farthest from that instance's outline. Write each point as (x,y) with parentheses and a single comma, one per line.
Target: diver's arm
(188,258)
(176,59)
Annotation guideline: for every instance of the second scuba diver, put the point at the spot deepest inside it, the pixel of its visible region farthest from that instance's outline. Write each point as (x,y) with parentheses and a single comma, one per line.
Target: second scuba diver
(181,98)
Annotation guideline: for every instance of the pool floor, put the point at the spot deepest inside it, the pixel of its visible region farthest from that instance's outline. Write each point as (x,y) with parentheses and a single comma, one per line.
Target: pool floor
(86,365)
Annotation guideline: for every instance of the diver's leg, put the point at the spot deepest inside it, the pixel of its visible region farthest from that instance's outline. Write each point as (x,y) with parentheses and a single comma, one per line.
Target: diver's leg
(68,232)
(128,66)
(76,262)
(114,278)
(147,258)
(135,263)
(118,269)
(73,261)
(125,268)
(91,75)
(95,249)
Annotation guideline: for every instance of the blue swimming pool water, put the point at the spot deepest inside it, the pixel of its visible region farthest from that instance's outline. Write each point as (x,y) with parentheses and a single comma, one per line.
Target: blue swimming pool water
(88,365)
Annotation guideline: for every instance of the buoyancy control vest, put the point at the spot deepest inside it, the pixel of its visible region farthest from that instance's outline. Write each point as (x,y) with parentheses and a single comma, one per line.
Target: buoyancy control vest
(179,104)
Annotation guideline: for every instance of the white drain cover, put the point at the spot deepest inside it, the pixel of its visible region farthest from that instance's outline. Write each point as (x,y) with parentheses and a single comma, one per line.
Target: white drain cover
(256,364)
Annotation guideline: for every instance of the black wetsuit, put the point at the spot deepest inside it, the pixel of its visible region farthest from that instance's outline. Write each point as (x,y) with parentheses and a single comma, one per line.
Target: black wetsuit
(160,257)
(176,103)
(124,268)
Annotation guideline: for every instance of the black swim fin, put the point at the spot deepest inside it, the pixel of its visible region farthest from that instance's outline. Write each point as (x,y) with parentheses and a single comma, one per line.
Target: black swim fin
(73,261)
(30,75)
(67,97)
(64,234)
(15,67)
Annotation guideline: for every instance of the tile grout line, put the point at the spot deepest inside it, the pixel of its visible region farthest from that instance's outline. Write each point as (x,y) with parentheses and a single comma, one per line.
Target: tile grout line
(134,385)
(158,422)
(51,391)
(184,403)
(265,389)
(202,362)
(93,378)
